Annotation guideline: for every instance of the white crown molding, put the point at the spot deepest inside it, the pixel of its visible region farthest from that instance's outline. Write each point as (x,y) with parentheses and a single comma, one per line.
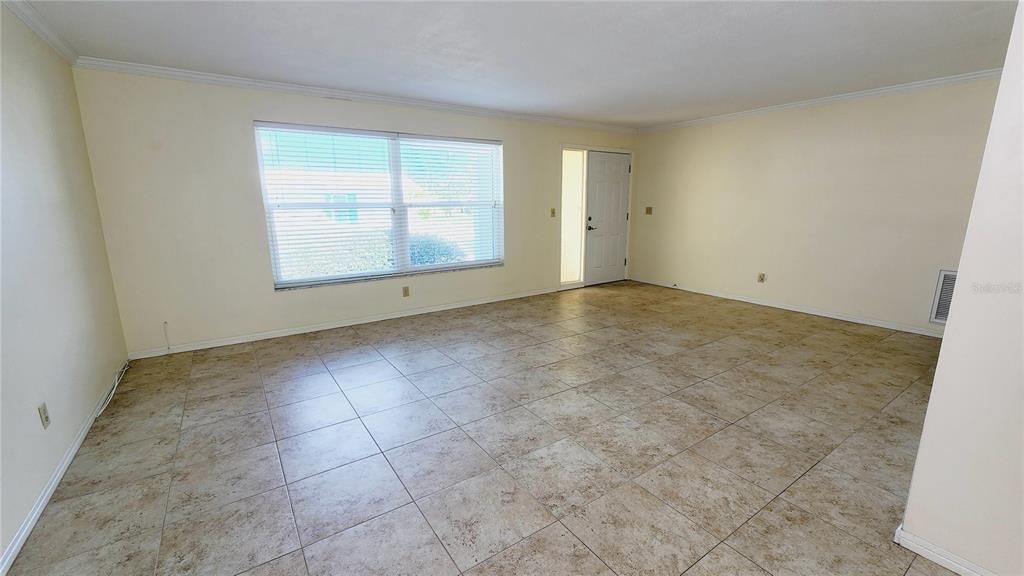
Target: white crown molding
(980,75)
(88,62)
(28,14)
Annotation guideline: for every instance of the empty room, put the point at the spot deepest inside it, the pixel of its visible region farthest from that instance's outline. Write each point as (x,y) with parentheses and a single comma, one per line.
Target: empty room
(701,288)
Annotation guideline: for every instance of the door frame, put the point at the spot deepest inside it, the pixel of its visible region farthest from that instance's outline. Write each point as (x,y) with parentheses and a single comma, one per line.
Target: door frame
(629,209)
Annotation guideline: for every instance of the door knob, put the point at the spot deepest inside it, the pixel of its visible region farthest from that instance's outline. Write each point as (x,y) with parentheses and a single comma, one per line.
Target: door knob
(589,227)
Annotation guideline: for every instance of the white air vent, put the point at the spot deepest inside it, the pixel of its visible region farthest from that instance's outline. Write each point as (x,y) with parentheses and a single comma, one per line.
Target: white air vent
(943,296)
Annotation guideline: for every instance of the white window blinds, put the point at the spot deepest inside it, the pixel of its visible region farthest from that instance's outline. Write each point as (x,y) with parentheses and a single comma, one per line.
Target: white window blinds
(347,204)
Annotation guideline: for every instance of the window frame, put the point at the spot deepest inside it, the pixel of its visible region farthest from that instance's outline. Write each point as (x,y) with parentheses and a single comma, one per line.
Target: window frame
(400,208)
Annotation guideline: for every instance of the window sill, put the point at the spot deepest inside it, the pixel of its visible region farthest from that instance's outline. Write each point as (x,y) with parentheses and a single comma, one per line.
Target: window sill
(359,279)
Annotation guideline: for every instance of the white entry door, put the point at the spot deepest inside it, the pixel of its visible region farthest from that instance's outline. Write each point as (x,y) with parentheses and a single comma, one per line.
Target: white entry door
(606,208)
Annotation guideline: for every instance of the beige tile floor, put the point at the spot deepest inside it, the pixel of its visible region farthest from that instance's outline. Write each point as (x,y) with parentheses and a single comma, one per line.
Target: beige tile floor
(625,429)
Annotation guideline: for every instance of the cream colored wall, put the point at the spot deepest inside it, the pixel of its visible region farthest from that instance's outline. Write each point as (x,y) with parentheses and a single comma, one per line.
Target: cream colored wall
(62,338)
(966,499)
(175,169)
(850,208)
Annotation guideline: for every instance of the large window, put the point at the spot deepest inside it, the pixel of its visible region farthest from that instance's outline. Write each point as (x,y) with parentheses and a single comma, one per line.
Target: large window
(348,204)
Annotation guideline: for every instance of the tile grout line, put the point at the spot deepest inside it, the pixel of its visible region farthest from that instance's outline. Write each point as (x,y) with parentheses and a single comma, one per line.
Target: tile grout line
(406,488)
(776,497)
(585,545)
(497,466)
(779,497)
(284,476)
(520,329)
(631,480)
(170,480)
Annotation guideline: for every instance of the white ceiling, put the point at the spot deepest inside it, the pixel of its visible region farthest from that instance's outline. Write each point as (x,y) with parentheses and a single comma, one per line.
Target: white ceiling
(630,64)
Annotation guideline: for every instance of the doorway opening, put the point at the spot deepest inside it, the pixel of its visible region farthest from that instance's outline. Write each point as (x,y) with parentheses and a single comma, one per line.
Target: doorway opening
(574,177)
(595,214)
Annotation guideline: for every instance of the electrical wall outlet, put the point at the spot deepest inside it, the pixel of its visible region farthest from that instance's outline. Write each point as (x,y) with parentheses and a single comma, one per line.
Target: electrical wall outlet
(553,213)
(405,291)
(762,277)
(649,210)
(44,415)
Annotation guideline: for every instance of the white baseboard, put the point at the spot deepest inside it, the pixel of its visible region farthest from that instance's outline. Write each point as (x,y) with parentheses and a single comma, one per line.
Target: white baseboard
(213,343)
(202,344)
(806,310)
(943,558)
(11,552)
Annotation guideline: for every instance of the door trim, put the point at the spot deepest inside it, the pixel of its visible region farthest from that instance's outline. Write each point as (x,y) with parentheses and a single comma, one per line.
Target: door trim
(629,206)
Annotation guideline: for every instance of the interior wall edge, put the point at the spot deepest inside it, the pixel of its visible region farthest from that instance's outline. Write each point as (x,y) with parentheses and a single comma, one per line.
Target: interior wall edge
(799,308)
(60,308)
